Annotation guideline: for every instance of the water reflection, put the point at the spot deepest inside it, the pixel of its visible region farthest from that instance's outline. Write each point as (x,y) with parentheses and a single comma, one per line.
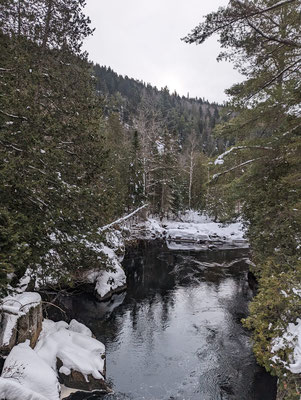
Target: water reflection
(177,333)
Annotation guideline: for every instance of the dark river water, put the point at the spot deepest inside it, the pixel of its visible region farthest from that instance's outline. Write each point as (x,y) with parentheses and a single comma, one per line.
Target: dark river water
(176,333)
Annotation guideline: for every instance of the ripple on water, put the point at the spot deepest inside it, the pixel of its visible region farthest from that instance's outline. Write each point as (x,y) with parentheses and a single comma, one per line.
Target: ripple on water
(177,335)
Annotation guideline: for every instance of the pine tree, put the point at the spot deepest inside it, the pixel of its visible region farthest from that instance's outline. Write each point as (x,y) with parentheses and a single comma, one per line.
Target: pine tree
(51,137)
(262,170)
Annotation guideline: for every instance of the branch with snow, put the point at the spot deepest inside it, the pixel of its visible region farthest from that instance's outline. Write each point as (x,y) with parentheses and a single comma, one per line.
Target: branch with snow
(216,176)
(12,115)
(220,158)
(120,220)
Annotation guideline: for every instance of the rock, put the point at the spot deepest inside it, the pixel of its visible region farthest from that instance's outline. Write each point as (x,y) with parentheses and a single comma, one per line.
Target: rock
(21,320)
(78,357)
(108,282)
(109,294)
(76,380)
(252,281)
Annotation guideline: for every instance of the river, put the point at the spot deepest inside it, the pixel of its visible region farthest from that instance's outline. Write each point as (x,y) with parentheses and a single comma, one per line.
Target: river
(176,334)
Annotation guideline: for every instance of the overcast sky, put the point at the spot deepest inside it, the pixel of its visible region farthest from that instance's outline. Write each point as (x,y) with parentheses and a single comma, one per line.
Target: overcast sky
(141,39)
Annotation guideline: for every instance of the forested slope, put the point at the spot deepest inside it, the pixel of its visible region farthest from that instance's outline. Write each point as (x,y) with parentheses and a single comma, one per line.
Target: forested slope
(80,145)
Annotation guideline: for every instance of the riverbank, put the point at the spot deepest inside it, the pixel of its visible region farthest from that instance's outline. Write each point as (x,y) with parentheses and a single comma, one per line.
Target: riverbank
(189,233)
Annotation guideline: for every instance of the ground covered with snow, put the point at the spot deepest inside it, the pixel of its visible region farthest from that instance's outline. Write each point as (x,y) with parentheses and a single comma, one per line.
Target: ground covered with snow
(191,231)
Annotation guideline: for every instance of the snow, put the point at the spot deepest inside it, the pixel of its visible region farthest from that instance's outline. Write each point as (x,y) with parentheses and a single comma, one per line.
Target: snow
(31,374)
(107,281)
(295,110)
(121,220)
(10,324)
(26,376)
(23,282)
(74,345)
(290,339)
(194,232)
(109,251)
(220,159)
(21,303)
(14,307)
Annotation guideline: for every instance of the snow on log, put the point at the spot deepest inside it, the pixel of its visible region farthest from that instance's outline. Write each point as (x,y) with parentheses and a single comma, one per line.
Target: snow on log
(123,219)
(220,159)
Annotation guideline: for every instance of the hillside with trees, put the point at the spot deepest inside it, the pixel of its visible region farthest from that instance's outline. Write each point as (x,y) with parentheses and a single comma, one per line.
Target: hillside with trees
(82,145)
(165,138)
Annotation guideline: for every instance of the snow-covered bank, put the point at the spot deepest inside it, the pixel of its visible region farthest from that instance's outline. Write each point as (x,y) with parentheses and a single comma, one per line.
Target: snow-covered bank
(109,281)
(26,376)
(65,351)
(191,231)
(107,274)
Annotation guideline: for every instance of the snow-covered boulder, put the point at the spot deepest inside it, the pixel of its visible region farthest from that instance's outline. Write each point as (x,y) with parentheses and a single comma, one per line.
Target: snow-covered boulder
(110,281)
(20,319)
(79,358)
(26,376)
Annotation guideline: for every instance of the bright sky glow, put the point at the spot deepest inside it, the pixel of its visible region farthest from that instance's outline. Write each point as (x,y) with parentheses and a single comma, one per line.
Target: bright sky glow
(142,39)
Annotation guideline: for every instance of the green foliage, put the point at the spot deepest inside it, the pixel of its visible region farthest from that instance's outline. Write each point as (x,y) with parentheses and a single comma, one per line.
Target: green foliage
(181,114)
(262,171)
(51,138)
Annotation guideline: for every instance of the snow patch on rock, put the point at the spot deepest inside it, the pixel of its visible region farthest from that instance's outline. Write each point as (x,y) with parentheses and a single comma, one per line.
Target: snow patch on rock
(13,307)
(74,346)
(111,280)
(28,377)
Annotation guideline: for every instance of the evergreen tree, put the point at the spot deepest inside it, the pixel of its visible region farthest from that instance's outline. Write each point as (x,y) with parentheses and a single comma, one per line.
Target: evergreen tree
(263,171)
(50,139)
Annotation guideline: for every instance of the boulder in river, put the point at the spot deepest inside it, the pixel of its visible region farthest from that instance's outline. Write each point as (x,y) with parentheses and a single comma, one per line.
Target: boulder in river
(72,350)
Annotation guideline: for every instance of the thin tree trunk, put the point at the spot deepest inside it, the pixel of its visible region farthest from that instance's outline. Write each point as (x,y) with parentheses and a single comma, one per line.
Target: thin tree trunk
(190,179)
(47,25)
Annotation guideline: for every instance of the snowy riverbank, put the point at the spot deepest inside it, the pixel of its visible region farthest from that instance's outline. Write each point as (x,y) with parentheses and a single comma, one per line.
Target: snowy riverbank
(191,231)
(64,353)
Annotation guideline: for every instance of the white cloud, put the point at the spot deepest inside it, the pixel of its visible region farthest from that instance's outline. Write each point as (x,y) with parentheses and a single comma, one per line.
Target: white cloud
(141,39)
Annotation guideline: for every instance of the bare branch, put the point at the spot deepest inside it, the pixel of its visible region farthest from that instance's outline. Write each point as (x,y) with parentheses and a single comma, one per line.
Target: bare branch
(54,305)
(275,78)
(10,146)
(272,38)
(191,38)
(12,115)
